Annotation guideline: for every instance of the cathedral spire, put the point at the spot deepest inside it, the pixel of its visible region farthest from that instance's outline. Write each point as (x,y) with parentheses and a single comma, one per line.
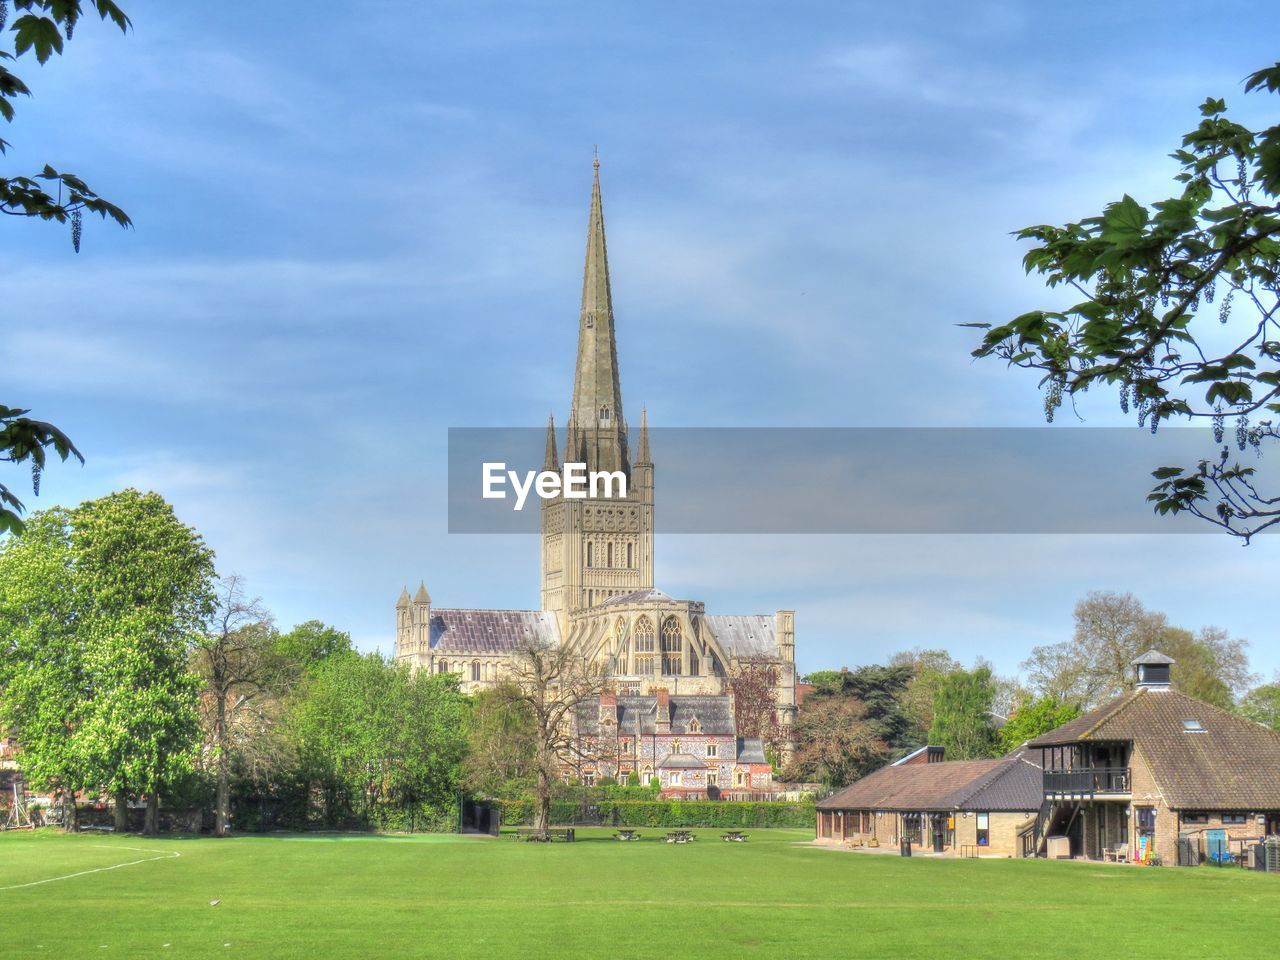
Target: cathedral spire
(642,451)
(551,462)
(597,397)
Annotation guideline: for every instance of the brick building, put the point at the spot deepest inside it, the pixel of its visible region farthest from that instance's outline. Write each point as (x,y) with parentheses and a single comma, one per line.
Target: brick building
(1135,774)
(689,743)
(939,805)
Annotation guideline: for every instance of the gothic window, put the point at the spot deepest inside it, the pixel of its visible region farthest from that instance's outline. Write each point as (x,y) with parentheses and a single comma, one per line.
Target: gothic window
(644,635)
(628,555)
(672,646)
(443,667)
(589,553)
(712,777)
(693,664)
(475,671)
(695,726)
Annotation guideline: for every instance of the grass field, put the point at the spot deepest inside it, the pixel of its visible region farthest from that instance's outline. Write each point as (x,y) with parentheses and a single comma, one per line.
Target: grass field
(775,896)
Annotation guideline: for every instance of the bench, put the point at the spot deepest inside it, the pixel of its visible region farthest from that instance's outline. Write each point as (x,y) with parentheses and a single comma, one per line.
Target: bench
(680,836)
(734,836)
(626,835)
(534,835)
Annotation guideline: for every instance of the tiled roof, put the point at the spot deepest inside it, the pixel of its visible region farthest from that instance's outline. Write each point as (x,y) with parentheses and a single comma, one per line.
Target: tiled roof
(638,715)
(751,750)
(1224,763)
(747,635)
(1014,783)
(680,761)
(489,631)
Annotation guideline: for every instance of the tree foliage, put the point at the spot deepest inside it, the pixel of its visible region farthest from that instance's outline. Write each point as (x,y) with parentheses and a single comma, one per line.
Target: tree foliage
(963,724)
(41,30)
(835,742)
(383,744)
(1111,630)
(1155,281)
(1262,705)
(1033,718)
(100,607)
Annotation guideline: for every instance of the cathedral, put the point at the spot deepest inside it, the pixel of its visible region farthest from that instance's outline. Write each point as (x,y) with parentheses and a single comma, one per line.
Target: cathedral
(667,707)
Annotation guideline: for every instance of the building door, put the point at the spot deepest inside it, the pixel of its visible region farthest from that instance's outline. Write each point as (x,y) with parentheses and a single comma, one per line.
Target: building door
(939,832)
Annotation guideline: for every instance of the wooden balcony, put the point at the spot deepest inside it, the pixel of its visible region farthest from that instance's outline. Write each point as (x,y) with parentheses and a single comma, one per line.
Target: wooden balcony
(1086,782)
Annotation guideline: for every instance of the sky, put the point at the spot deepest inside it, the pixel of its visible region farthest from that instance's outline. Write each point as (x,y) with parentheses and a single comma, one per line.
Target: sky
(360,225)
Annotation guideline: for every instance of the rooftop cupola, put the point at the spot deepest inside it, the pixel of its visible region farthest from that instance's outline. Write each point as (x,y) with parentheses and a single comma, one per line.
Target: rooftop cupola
(1152,670)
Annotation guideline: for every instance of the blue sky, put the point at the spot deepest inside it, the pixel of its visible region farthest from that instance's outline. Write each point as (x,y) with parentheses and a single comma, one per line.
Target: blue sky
(360,226)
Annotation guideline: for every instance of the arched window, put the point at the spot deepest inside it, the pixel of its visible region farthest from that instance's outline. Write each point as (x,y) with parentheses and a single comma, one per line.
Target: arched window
(672,646)
(589,552)
(609,562)
(442,666)
(628,555)
(475,671)
(644,635)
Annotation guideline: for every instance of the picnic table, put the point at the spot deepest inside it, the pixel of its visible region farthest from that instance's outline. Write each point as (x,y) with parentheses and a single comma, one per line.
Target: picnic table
(734,836)
(680,836)
(626,835)
(534,835)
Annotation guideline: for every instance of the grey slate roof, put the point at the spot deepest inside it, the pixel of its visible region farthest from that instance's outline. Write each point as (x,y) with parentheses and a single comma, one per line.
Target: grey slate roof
(639,596)
(681,761)
(1011,783)
(751,750)
(1152,656)
(489,631)
(639,714)
(744,635)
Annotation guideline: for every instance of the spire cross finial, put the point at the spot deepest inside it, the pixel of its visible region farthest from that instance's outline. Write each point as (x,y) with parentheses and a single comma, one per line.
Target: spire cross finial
(596,162)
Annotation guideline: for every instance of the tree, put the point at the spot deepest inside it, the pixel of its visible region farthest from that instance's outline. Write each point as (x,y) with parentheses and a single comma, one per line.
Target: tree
(880,689)
(930,668)
(502,752)
(236,658)
(835,743)
(1033,718)
(1111,630)
(42,31)
(382,742)
(963,724)
(100,605)
(753,684)
(145,589)
(310,643)
(1262,705)
(1155,281)
(548,683)
(42,669)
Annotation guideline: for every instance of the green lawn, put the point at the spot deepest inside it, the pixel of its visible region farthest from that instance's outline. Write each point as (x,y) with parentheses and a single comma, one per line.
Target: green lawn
(775,896)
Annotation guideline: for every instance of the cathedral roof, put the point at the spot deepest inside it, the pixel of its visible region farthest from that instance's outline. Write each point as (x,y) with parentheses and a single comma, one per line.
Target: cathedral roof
(745,635)
(639,596)
(489,631)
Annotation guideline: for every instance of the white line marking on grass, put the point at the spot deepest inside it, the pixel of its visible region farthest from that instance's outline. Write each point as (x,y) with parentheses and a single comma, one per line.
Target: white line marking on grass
(115,866)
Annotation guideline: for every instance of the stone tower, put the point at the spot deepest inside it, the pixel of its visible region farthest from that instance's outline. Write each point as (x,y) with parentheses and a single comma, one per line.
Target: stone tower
(596,549)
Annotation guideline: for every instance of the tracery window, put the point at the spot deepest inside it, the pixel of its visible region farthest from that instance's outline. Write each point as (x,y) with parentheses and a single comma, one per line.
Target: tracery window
(672,646)
(644,635)
(442,666)
(475,671)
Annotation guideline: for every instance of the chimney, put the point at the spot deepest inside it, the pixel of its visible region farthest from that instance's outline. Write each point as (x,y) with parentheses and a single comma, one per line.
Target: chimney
(1152,671)
(662,722)
(608,708)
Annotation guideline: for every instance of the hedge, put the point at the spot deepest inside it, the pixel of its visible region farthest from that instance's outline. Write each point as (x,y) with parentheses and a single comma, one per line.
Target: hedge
(665,813)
